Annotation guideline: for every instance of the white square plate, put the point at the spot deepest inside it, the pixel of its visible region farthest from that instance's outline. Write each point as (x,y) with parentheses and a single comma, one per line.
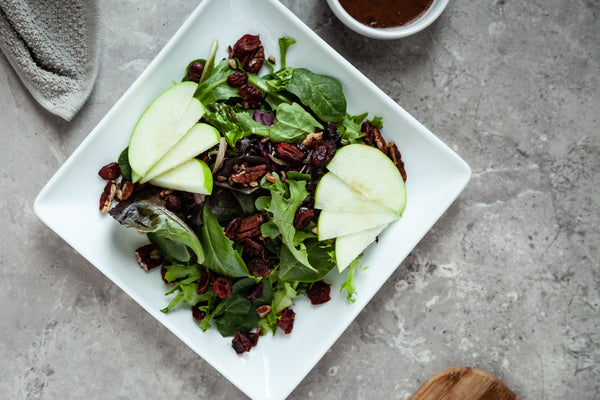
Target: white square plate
(68,204)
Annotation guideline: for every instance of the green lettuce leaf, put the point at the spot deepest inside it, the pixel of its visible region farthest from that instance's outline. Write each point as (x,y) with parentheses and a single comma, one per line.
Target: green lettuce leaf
(147,216)
(221,257)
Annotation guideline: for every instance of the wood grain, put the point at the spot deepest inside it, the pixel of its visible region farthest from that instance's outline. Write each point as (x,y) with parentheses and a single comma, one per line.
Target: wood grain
(464,383)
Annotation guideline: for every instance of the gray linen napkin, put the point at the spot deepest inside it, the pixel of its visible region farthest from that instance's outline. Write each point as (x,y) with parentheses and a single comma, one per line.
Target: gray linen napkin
(53,47)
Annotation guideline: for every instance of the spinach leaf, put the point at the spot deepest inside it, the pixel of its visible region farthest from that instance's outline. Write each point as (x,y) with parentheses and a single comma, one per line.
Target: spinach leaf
(284,43)
(273,86)
(323,94)
(238,313)
(215,86)
(170,248)
(124,164)
(282,205)
(224,118)
(292,124)
(221,257)
(147,216)
(291,270)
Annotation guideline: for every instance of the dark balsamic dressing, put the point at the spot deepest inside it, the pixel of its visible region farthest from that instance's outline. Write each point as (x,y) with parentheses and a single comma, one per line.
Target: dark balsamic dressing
(386,13)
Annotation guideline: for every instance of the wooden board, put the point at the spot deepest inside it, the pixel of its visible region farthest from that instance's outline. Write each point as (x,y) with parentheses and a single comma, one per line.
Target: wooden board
(464,383)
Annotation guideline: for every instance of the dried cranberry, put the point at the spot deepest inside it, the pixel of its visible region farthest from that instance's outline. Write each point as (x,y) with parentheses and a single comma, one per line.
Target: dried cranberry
(232,228)
(110,171)
(250,52)
(243,342)
(286,322)
(222,287)
(256,292)
(198,314)
(253,249)
(250,94)
(173,202)
(331,132)
(319,293)
(322,153)
(148,257)
(259,268)
(237,79)
(204,281)
(195,71)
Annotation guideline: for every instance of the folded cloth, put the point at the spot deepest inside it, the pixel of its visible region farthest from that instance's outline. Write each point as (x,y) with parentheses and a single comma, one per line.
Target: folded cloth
(53,47)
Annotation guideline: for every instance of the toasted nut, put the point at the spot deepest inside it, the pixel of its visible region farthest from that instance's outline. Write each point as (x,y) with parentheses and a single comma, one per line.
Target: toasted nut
(263,311)
(312,139)
(107,196)
(232,63)
(270,178)
(271,58)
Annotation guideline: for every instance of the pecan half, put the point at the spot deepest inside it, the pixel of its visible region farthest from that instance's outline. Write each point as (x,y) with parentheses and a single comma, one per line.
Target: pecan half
(290,153)
(110,171)
(148,257)
(264,310)
(303,217)
(312,139)
(250,227)
(107,196)
(373,136)
(125,191)
(248,174)
(394,154)
(173,202)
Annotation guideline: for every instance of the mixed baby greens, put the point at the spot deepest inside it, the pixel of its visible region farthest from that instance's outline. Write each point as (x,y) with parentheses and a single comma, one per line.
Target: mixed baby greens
(239,256)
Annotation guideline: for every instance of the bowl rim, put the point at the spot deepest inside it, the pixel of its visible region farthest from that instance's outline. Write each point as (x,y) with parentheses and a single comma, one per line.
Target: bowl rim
(434,11)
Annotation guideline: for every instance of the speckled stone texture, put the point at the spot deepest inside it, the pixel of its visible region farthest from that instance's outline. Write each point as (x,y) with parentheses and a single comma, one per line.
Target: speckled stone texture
(507,281)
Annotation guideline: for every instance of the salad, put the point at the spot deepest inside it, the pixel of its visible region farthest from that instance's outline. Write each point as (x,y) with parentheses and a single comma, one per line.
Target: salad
(251,189)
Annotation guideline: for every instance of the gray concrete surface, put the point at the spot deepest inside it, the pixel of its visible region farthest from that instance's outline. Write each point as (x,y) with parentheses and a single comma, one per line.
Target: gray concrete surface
(507,281)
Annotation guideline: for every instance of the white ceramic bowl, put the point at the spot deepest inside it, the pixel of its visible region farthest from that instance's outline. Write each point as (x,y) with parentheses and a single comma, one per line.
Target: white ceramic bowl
(389,33)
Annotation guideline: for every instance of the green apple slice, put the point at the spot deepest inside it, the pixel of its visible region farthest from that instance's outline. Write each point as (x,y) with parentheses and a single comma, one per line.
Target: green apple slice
(333,224)
(199,138)
(192,176)
(371,173)
(162,125)
(333,194)
(348,247)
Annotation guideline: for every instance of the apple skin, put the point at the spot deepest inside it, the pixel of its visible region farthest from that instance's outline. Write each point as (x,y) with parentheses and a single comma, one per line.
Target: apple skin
(348,247)
(371,173)
(166,120)
(333,194)
(193,176)
(198,139)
